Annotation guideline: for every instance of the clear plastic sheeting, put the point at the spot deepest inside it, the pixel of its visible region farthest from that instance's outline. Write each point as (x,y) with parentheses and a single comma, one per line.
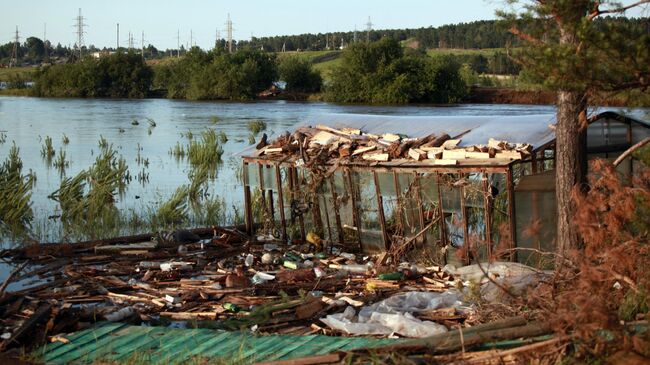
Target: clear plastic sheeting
(395,315)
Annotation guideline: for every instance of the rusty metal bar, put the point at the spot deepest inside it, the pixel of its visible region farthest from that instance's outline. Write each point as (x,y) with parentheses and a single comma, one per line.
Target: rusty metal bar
(443,221)
(355,207)
(511,214)
(263,195)
(271,210)
(380,207)
(278,182)
(247,202)
(487,206)
(337,212)
(463,210)
(400,203)
(418,197)
(295,185)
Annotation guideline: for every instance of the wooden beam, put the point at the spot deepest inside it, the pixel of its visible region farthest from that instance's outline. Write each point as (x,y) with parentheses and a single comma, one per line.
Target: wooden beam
(247,201)
(355,207)
(278,181)
(463,210)
(380,210)
(400,202)
(487,211)
(296,187)
(418,197)
(511,214)
(337,212)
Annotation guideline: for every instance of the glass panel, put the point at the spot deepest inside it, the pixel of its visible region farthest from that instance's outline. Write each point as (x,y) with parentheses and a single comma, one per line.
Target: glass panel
(475,210)
(371,235)
(498,210)
(536,224)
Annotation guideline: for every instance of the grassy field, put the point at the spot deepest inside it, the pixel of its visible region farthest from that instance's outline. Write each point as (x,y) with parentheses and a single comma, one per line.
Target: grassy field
(23,72)
(460,52)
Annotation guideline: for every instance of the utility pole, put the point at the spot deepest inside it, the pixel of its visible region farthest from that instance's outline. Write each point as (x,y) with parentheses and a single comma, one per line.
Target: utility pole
(191,39)
(284,47)
(142,44)
(178,43)
(368,29)
(229,31)
(47,56)
(130,41)
(13,61)
(117,45)
(80,32)
(217,39)
(354,39)
(327,41)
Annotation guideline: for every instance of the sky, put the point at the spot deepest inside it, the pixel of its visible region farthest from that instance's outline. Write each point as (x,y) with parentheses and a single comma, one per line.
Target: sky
(162,20)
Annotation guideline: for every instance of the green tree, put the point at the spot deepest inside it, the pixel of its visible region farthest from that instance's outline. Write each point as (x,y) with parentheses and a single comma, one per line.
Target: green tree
(380,72)
(584,60)
(299,75)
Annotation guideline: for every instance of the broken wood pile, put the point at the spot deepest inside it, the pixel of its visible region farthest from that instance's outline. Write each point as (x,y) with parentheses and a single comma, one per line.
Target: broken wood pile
(225,281)
(323,144)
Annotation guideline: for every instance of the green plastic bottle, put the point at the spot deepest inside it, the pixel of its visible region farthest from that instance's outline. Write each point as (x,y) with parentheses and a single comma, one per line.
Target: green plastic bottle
(393,276)
(230,307)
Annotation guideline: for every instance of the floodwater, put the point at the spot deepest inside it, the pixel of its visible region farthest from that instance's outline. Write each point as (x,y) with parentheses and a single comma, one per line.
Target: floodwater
(28,121)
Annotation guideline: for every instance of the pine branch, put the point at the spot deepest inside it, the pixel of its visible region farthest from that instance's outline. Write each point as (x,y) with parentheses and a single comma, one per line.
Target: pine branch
(597,12)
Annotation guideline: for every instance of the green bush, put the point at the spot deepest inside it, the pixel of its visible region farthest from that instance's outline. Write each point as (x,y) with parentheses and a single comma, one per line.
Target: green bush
(299,75)
(380,72)
(120,75)
(217,74)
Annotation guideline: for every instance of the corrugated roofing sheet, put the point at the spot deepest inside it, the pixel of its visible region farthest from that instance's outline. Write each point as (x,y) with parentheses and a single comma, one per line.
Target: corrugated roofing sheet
(120,342)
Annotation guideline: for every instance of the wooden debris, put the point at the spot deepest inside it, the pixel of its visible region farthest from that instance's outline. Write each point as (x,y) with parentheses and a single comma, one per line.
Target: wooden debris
(376,157)
(450,144)
(361,150)
(417,154)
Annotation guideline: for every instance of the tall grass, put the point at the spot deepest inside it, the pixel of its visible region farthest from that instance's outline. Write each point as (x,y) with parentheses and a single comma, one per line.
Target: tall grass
(87,200)
(172,212)
(256,126)
(60,163)
(3,137)
(65,140)
(15,194)
(47,150)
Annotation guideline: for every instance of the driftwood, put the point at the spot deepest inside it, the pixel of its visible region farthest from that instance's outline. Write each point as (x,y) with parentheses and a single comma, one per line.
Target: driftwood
(40,315)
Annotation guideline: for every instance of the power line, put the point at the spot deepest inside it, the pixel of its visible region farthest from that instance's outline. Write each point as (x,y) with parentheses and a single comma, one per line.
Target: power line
(229,31)
(13,61)
(368,29)
(80,32)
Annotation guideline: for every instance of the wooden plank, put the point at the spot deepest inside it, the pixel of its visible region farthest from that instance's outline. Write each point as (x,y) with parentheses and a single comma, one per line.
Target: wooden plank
(477,155)
(451,144)
(376,157)
(513,155)
(445,162)
(417,154)
(511,214)
(454,154)
(355,208)
(361,150)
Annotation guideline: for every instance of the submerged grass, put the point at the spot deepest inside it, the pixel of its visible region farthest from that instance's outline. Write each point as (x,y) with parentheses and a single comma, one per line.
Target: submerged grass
(172,212)
(60,163)
(47,150)
(256,126)
(65,140)
(3,137)
(87,200)
(16,212)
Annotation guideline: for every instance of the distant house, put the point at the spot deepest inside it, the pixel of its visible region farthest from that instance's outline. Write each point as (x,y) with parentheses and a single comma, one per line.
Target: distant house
(100,54)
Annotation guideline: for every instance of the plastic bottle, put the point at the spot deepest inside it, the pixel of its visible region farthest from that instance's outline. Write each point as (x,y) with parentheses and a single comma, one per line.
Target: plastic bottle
(230,307)
(391,276)
(290,264)
(357,268)
(249,260)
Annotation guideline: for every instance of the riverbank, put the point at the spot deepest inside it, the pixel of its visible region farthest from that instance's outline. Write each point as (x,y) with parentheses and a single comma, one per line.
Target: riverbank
(477,95)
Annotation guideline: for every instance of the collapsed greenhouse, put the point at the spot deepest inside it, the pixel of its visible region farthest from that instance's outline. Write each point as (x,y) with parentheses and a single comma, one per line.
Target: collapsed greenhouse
(390,183)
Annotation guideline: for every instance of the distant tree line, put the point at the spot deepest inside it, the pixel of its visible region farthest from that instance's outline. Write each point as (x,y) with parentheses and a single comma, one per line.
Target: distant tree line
(474,35)
(120,75)
(382,72)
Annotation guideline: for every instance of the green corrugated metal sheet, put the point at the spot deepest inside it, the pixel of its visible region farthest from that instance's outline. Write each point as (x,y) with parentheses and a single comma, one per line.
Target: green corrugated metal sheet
(161,345)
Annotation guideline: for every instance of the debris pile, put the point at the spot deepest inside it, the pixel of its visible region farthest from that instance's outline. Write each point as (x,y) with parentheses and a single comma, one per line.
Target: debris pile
(228,282)
(323,143)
